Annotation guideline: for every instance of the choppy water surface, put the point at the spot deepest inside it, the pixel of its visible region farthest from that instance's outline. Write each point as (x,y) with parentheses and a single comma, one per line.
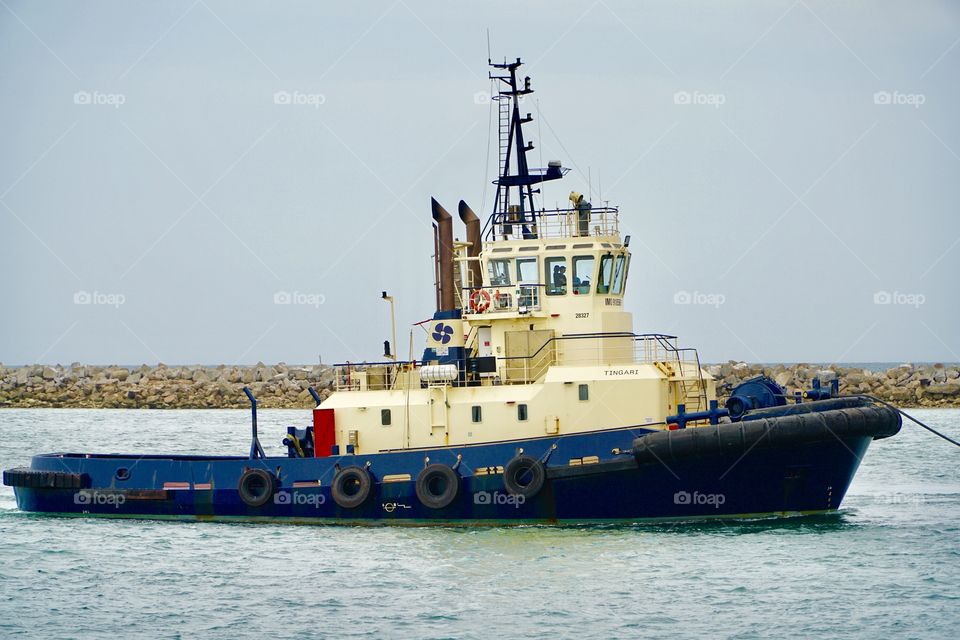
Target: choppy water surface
(887,566)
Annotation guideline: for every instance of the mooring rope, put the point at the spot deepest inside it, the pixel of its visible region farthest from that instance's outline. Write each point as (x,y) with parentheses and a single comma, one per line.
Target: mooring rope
(907,415)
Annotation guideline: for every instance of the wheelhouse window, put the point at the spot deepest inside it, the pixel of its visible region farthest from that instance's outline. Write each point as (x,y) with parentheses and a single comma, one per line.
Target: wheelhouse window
(619,274)
(527,272)
(556,271)
(606,272)
(582,274)
(499,273)
(528,282)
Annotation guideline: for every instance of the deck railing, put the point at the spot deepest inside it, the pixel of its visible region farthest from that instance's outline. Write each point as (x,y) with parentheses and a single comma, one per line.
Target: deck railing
(554,223)
(589,349)
(517,298)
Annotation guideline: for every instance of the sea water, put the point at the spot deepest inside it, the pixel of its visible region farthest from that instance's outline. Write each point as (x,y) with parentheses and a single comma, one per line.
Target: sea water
(886,566)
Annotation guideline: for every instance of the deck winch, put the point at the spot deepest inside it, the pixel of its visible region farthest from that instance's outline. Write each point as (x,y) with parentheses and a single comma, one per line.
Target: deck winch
(760,392)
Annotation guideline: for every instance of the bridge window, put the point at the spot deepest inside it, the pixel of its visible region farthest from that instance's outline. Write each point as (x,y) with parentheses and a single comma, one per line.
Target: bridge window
(619,274)
(527,272)
(606,272)
(582,274)
(521,412)
(556,272)
(499,273)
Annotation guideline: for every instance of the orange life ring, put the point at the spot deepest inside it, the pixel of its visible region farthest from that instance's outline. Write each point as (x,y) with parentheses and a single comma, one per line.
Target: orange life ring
(480,300)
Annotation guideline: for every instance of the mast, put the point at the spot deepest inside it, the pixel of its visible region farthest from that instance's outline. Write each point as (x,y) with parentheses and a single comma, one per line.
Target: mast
(506,211)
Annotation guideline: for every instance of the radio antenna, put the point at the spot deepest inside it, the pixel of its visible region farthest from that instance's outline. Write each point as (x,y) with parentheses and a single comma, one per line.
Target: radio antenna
(488,47)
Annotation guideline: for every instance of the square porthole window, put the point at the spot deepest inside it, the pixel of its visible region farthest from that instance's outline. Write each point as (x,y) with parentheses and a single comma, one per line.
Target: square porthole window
(475,413)
(521,412)
(385,417)
(584,392)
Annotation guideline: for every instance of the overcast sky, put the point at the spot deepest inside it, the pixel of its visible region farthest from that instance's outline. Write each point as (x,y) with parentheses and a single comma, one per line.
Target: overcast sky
(790,168)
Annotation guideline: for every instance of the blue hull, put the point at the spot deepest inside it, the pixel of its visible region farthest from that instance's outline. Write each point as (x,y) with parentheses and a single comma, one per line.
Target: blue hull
(798,479)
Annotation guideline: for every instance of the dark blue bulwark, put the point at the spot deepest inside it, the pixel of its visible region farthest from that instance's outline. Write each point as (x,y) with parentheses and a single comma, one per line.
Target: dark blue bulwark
(809,478)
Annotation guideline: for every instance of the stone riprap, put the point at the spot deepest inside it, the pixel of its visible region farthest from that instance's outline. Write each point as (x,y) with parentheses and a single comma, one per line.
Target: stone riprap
(906,385)
(285,386)
(162,386)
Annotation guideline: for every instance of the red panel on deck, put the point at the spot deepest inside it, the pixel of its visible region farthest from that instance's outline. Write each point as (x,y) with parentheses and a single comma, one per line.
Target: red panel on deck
(324,434)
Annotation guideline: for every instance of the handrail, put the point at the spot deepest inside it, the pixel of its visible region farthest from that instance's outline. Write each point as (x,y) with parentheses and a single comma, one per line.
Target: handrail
(656,347)
(613,334)
(553,223)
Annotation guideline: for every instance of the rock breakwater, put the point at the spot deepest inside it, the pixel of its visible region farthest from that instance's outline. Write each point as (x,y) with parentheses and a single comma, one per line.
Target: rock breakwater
(906,385)
(163,387)
(285,386)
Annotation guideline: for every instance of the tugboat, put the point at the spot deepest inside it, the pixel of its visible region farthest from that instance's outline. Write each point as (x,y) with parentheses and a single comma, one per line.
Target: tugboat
(534,402)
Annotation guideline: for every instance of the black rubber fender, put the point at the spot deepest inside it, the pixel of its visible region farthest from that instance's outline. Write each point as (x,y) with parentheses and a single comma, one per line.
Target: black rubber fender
(524,476)
(438,486)
(351,487)
(779,431)
(846,402)
(256,487)
(36,479)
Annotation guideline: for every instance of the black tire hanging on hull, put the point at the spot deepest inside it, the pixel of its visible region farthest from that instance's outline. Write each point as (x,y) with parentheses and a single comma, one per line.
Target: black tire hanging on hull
(256,487)
(351,487)
(438,486)
(524,476)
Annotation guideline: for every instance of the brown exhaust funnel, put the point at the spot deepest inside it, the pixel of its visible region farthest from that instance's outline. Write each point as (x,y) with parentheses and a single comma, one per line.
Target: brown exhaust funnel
(444,256)
(472,222)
